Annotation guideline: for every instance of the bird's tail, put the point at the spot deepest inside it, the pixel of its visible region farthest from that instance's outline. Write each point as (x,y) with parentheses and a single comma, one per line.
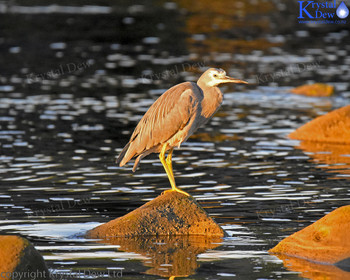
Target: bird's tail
(121,160)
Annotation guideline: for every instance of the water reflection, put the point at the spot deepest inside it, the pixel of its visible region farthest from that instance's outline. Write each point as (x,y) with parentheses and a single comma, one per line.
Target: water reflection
(215,27)
(168,256)
(333,157)
(213,137)
(313,271)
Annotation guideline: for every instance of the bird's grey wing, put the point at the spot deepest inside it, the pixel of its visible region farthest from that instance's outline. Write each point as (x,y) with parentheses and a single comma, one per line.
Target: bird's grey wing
(169,114)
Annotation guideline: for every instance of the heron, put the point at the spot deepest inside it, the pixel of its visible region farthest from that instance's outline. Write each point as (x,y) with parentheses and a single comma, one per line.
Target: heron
(173,118)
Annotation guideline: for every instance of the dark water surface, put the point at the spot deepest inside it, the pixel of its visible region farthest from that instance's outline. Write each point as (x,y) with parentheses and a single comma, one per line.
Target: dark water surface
(74,81)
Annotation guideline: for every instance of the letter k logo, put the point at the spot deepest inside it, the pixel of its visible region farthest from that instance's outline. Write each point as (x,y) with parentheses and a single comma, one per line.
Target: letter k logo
(303,9)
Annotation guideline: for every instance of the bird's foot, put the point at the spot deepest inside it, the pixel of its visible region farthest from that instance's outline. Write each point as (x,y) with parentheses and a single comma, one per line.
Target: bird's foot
(164,192)
(183,192)
(176,190)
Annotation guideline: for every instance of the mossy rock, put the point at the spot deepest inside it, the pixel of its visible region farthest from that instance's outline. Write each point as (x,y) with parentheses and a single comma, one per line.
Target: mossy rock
(170,214)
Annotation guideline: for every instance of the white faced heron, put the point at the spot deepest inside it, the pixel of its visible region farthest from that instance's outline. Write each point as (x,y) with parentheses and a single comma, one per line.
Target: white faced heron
(174,117)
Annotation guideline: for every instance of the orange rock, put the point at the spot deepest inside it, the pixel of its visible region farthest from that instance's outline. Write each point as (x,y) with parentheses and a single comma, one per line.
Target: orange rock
(326,241)
(314,90)
(20,260)
(333,127)
(172,213)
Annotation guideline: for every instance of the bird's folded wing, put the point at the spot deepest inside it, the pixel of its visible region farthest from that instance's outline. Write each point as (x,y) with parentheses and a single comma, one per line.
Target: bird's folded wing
(167,116)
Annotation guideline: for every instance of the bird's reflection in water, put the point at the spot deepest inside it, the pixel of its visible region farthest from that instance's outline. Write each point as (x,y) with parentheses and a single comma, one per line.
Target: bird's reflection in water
(314,271)
(167,256)
(333,157)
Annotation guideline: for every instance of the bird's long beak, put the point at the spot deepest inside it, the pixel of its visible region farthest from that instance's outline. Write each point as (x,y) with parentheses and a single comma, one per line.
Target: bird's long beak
(228,79)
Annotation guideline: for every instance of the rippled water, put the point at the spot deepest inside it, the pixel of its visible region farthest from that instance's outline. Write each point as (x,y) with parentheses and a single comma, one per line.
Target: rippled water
(63,122)
(59,179)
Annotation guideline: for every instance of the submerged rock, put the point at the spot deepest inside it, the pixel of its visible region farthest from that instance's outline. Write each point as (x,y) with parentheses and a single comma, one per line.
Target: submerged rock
(326,241)
(317,89)
(333,127)
(20,260)
(172,213)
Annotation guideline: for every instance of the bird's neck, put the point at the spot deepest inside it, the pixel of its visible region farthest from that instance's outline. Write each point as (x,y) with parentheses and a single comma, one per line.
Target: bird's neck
(212,100)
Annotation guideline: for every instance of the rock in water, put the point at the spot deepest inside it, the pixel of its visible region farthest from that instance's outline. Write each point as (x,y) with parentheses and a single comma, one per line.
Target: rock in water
(326,241)
(317,89)
(333,127)
(20,260)
(172,213)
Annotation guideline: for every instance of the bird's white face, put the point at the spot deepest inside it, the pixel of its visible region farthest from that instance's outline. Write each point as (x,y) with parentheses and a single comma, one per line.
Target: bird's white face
(215,77)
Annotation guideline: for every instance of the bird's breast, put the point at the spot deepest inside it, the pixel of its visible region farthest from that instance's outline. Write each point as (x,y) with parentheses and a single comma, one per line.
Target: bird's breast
(211,102)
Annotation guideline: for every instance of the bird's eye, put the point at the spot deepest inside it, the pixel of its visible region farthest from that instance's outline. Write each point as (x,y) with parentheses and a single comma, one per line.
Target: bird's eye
(215,75)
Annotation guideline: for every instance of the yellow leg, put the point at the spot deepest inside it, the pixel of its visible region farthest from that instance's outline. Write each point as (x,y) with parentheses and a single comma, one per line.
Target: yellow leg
(169,169)
(166,167)
(169,162)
